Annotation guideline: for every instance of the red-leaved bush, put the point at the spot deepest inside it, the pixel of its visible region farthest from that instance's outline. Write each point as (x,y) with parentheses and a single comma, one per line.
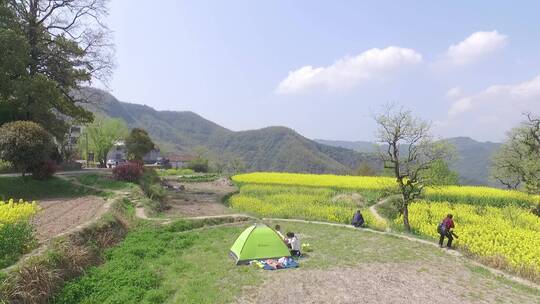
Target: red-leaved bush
(130,171)
(45,170)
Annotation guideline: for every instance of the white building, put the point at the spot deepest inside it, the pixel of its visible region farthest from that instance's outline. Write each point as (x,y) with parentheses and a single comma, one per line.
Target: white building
(119,153)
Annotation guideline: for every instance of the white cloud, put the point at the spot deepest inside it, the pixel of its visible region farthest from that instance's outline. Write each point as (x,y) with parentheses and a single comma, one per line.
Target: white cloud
(454,93)
(459,106)
(349,72)
(476,46)
(493,111)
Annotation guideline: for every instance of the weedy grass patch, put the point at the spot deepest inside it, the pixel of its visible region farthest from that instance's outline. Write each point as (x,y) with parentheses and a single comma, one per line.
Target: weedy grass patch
(29,189)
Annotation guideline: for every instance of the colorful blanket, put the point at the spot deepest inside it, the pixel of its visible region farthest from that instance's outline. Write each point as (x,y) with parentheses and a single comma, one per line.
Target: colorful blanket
(272,264)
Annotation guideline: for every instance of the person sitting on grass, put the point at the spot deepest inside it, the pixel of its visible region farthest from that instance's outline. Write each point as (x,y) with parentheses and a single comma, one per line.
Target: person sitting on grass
(294,244)
(358,219)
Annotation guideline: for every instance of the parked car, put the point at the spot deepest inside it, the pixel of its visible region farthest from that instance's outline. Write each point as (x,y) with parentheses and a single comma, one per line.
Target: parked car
(111,163)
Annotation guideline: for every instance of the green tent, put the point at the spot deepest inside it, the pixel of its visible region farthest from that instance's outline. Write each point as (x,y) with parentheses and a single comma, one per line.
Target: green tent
(258,242)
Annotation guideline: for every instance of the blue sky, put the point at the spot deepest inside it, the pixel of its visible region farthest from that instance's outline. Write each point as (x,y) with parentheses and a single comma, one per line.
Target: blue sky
(324,67)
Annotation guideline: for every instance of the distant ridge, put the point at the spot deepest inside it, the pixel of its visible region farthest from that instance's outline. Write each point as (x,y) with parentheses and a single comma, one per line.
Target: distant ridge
(268,149)
(472,162)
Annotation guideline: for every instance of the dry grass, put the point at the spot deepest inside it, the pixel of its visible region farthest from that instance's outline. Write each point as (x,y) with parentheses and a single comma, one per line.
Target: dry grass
(36,280)
(31,283)
(72,260)
(499,262)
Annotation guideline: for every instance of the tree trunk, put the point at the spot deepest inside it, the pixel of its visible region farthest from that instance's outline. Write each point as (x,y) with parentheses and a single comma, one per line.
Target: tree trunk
(406,215)
(32,34)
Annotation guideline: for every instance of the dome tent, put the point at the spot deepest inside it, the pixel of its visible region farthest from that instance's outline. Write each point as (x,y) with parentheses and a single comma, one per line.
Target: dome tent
(258,242)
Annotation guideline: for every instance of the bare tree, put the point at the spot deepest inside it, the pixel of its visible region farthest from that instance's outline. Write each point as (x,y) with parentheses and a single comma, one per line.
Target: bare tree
(506,163)
(518,160)
(407,147)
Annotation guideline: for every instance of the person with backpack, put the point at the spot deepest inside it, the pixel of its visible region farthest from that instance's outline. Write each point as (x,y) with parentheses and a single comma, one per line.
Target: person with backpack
(445,230)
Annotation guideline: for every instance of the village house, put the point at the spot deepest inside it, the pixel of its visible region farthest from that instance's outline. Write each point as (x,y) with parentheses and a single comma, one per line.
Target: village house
(179,161)
(118,153)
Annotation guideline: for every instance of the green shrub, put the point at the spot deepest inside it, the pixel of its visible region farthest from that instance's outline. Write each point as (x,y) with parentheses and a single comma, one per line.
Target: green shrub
(16,239)
(25,144)
(198,178)
(150,184)
(536,210)
(6,167)
(45,170)
(199,165)
(179,171)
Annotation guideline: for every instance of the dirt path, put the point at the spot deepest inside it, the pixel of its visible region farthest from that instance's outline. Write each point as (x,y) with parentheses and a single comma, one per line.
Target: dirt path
(200,199)
(64,215)
(383,283)
(373,209)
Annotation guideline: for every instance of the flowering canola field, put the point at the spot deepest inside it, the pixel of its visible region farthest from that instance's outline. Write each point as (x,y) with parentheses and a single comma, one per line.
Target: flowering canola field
(13,212)
(457,194)
(308,203)
(318,180)
(481,196)
(510,232)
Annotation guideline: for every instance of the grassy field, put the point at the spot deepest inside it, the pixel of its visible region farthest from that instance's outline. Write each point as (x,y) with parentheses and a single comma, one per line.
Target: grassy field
(31,189)
(169,265)
(103,182)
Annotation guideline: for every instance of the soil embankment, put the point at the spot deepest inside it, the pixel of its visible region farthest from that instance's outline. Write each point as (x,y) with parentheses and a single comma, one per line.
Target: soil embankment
(200,199)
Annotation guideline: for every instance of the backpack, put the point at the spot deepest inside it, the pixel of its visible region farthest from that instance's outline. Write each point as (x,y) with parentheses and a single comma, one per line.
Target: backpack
(441,228)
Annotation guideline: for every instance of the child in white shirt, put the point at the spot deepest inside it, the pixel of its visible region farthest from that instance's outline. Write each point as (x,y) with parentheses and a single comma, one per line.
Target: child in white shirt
(294,244)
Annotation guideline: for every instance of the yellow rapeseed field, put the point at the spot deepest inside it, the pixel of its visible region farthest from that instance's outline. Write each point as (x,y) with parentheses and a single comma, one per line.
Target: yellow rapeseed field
(511,233)
(481,195)
(318,180)
(12,211)
(308,203)
(463,194)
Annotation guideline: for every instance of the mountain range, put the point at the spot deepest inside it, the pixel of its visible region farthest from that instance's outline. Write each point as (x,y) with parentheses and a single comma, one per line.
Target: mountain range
(271,148)
(472,161)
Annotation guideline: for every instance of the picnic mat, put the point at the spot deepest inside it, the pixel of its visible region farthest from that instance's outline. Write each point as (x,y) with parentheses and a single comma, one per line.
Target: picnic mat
(272,264)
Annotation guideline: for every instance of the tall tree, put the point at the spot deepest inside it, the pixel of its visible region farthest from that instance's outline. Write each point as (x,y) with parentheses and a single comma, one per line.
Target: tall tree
(99,137)
(440,174)
(518,160)
(66,46)
(398,131)
(365,169)
(138,143)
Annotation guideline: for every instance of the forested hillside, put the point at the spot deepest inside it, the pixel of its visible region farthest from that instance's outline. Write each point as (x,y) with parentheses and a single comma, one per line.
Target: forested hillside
(472,162)
(272,148)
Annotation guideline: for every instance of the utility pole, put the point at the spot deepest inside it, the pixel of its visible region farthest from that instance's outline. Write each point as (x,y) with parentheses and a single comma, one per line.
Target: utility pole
(86,134)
